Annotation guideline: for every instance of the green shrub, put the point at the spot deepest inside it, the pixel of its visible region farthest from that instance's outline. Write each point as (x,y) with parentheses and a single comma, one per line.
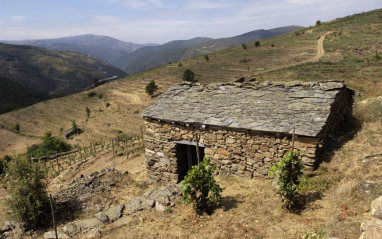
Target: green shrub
(87,112)
(189,75)
(314,235)
(28,200)
(49,146)
(257,43)
(318,23)
(287,174)
(100,96)
(151,88)
(17,127)
(207,58)
(200,187)
(3,163)
(180,64)
(91,94)
(377,56)
(244,46)
(107,104)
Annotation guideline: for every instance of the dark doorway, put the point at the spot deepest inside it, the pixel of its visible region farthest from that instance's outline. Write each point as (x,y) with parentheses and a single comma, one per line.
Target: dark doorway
(187,157)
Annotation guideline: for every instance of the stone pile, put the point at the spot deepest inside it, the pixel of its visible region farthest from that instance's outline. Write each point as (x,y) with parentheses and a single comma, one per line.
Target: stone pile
(11,230)
(372,229)
(157,200)
(86,186)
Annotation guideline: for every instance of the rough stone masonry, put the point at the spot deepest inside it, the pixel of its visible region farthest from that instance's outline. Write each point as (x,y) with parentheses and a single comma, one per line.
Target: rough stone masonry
(244,127)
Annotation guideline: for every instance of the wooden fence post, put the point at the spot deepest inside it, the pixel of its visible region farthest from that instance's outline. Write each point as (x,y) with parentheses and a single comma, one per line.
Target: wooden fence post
(197,147)
(293,138)
(143,143)
(53,216)
(112,144)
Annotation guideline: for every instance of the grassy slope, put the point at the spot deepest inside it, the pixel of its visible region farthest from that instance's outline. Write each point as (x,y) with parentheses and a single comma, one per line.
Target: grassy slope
(146,58)
(251,208)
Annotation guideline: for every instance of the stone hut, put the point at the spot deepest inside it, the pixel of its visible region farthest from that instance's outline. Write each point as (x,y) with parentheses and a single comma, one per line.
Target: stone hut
(244,127)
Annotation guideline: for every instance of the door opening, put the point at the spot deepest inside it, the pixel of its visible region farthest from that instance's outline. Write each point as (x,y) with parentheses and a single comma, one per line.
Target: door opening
(187,157)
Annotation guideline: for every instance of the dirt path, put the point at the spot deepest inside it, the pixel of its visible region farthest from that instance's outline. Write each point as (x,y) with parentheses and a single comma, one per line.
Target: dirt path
(320,53)
(135,98)
(320,49)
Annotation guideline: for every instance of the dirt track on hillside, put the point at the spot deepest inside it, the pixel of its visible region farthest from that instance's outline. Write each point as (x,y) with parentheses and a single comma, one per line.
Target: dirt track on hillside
(320,49)
(134,98)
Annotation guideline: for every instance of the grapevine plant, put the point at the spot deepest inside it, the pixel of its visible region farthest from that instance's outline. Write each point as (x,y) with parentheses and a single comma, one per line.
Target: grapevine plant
(201,189)
(287,173)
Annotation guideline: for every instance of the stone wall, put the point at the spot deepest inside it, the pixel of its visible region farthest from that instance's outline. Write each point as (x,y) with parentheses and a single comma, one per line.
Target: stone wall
(242,153)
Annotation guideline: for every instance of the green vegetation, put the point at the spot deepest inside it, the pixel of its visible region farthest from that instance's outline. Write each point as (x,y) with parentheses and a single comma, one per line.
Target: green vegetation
(257,43)
(16,127)
(244,46)
(91,94)
(180,64)
(49,146)
(287,174)
(3,163)
(87,112)
(206,58)
(377,56)
(318,23)
(201,189)
(28,200)
(74,126)
(189,75)
(151,88)
(314,235)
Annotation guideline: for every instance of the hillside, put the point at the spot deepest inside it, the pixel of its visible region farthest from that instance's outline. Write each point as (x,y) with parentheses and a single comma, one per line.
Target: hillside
(14,96)
(150,57)
(153,56)
(336,200)
(103,48)
(52,72)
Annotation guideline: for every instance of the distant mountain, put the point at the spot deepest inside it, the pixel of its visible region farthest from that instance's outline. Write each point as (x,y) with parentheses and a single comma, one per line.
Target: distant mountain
(14,95)
(52,72)
(101,47)
(149,57)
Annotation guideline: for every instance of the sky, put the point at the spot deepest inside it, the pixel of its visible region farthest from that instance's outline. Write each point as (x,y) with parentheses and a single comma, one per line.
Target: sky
(160,21)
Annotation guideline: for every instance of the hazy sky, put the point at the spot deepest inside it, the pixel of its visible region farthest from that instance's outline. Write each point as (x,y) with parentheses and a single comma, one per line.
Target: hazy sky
(159,21)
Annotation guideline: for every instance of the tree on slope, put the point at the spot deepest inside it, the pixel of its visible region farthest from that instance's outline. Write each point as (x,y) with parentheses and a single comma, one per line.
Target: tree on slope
(189,75)
(28,200)
(151,88)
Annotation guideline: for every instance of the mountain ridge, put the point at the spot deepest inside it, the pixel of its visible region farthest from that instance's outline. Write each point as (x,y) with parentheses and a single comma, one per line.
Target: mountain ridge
(102,47)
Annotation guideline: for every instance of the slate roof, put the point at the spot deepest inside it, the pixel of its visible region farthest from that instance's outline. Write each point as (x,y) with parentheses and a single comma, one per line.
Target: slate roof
(267,107)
